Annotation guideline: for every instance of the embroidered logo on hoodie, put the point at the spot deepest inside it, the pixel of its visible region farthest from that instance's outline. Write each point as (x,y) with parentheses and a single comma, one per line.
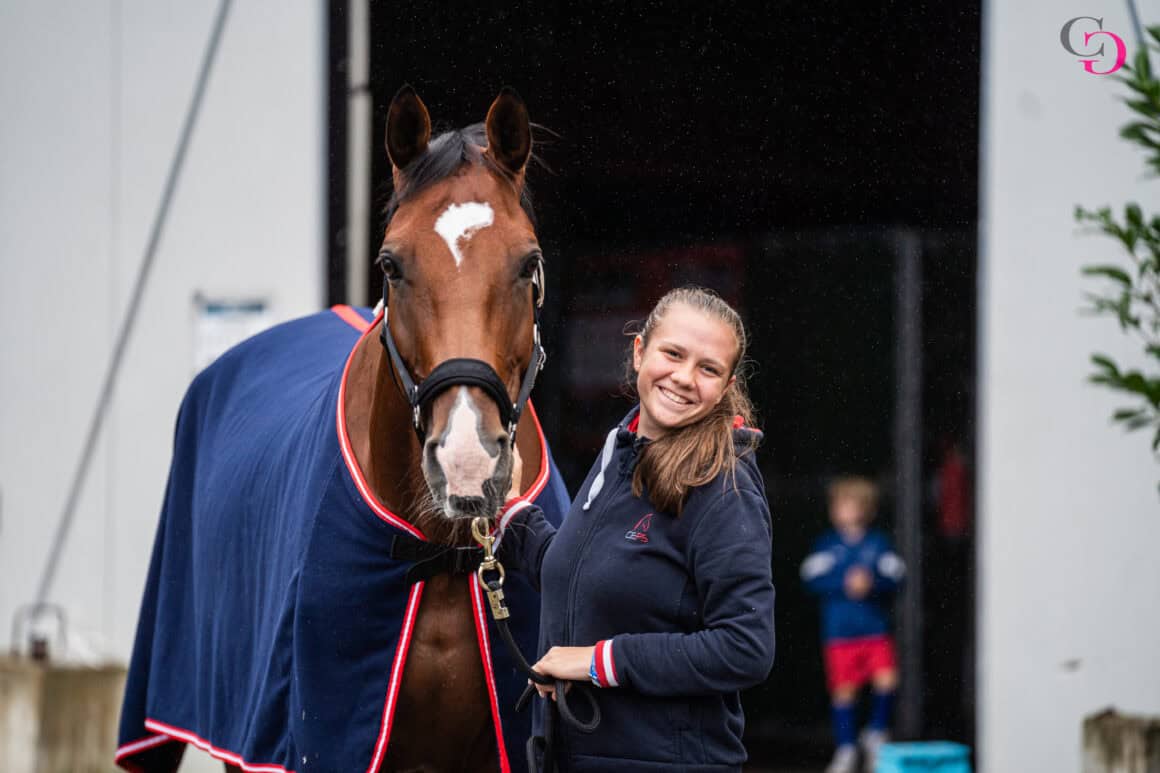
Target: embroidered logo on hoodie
(639,533)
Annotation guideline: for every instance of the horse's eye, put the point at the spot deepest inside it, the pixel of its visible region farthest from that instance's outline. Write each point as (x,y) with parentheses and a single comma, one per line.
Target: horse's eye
(531,263)
(389,266)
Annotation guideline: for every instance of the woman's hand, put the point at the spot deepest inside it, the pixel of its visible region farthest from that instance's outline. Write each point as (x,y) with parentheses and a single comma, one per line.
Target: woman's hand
(517,474)
(568,663)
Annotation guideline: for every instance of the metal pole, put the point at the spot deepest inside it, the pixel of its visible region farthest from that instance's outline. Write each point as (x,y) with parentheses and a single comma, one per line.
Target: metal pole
(106,393)
(908,474)
(358,151)
(1135,14)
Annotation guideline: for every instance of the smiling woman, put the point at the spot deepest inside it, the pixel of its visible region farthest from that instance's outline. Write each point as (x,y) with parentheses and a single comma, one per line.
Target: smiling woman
(686,359)
(683,374)
(676,499)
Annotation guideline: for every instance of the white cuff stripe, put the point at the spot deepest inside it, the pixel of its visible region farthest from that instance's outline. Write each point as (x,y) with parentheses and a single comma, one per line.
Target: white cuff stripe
(609,670)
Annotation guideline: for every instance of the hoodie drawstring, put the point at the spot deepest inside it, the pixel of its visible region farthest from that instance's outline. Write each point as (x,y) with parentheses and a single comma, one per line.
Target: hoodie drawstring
(605,460)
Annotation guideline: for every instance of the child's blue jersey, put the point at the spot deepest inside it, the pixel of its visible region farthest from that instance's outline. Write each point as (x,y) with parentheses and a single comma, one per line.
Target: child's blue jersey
(824,573)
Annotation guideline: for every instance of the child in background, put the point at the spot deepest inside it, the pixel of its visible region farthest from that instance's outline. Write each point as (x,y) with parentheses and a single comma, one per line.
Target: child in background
(855,572)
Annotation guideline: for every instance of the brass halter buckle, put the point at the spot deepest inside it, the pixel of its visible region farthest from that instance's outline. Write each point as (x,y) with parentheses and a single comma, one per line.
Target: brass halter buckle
(494,589)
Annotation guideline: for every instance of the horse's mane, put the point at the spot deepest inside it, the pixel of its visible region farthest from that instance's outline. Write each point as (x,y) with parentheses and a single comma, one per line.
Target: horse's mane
(446,155)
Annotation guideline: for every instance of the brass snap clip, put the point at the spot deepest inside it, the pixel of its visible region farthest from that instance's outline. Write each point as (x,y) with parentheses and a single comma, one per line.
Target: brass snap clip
(494,589)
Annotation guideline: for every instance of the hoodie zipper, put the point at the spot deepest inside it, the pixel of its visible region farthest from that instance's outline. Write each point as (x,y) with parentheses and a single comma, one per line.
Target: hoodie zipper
(609,494)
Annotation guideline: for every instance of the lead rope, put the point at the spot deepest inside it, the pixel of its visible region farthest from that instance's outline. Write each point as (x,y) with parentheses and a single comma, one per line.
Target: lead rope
(500,613)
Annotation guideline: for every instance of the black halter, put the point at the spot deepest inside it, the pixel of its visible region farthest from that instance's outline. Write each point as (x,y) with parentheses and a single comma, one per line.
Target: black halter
(468,372)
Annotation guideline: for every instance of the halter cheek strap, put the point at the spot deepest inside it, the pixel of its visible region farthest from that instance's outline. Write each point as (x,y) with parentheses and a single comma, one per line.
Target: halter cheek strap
(468,372)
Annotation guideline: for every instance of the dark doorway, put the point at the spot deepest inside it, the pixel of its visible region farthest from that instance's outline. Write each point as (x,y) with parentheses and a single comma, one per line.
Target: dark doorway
(772,154)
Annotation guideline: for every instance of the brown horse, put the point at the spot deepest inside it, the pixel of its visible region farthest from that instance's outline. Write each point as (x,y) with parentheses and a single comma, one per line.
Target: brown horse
(460,257)
(423,440)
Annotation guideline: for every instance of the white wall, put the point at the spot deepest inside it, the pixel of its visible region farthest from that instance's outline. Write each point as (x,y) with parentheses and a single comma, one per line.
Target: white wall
(1069,605)
(93,97)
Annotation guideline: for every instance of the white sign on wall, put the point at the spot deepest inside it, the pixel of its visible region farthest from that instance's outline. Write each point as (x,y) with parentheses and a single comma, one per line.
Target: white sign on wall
(221,323)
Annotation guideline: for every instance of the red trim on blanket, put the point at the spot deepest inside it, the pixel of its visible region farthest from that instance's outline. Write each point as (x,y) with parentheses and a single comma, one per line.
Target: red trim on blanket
(513,506)
(482,638)
(541,479)
(484,641)
(348,453)
(351,317)
(356,473)
(396,676)
(519,502)
(136,746)
(176,733)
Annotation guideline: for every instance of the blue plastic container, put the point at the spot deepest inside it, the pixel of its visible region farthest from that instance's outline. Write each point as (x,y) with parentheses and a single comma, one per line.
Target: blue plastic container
(924,757)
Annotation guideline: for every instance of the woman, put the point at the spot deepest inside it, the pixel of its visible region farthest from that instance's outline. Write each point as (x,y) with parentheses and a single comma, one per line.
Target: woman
(657,586)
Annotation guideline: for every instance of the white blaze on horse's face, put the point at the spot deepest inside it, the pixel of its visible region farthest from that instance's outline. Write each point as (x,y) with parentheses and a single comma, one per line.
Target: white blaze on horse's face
(464,460)
(459,222)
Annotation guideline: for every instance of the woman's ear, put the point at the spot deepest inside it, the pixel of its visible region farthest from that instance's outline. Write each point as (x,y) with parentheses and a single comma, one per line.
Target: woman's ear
(637,352)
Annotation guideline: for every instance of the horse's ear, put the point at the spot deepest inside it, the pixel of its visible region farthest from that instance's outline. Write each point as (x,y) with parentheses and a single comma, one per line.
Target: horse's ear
(408,128)
(509,133)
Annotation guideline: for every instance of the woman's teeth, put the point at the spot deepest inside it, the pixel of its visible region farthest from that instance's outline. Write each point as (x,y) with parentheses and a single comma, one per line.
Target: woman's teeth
(674,397)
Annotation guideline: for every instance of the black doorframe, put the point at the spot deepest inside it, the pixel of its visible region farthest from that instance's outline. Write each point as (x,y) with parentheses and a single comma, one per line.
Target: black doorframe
(337,39)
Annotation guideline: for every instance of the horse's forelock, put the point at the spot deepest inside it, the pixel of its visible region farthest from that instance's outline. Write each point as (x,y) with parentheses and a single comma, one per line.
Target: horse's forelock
(449,152)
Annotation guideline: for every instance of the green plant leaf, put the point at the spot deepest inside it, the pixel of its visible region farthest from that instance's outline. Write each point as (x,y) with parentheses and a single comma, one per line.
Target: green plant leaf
(1143,107)
(1105,362)
(1136,304)
(1111,272)
(1137,423)
(1143,65)
(1135,381)
(1133,215)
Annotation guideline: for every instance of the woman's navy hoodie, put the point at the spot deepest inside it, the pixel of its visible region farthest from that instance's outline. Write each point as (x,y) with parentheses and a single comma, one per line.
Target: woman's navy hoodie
(680,610)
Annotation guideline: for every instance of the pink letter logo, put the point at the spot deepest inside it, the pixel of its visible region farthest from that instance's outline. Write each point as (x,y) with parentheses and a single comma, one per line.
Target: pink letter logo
(1121,52)
(1089,64)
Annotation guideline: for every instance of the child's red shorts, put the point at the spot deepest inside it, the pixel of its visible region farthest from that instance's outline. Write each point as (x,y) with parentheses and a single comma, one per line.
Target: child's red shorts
(852,662)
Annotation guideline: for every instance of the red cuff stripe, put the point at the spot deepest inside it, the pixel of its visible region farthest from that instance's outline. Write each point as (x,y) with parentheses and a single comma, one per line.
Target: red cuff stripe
(605,667)
(598,657)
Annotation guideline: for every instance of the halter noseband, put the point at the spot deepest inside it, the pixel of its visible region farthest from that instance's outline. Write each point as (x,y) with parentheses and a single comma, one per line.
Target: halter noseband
(468,372)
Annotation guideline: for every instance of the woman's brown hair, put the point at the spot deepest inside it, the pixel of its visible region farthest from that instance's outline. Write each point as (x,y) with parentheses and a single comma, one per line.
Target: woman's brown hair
(672,465)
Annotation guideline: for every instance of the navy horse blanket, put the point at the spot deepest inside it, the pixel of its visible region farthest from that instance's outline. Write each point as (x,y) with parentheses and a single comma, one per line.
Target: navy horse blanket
(274,627)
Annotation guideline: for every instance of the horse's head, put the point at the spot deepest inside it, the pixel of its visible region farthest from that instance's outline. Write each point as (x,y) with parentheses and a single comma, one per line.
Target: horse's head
(460,258)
